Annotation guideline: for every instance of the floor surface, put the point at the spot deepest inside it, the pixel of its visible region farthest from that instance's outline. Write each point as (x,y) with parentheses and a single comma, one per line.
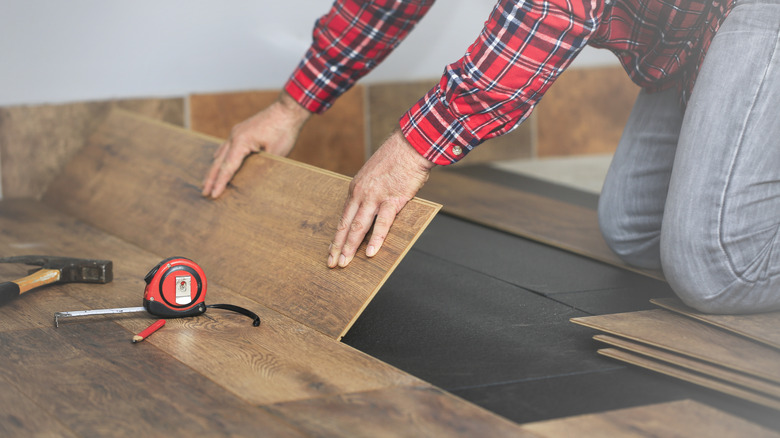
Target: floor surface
(485,315)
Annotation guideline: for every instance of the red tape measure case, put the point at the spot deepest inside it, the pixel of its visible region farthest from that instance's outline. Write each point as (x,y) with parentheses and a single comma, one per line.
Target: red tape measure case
(175,288)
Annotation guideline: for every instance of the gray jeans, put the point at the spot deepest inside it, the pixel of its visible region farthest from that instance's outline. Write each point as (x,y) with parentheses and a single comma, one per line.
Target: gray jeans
(698,194)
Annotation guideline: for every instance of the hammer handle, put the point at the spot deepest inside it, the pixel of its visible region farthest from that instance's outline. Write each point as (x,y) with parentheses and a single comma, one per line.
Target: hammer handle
(12,289)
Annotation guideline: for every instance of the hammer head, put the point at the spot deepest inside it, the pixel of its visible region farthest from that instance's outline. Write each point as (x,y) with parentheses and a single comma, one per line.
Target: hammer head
(72,270)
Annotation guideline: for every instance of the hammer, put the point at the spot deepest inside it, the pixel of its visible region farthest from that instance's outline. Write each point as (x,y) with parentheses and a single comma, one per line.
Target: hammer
(54,270)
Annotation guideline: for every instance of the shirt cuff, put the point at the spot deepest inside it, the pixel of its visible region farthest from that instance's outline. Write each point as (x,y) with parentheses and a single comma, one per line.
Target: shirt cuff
(431,128)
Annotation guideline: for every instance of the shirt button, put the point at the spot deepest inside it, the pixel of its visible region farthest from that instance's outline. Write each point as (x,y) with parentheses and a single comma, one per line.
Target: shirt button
(457,150)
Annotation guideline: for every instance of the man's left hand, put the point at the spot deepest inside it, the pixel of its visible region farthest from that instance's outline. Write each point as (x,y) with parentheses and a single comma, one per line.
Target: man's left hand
(388,180)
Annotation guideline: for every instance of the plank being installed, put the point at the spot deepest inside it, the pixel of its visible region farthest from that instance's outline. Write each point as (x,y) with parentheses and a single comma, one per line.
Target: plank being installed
(761,327)
(211,375)
(671,419)
(679,334)
(559,224)
(266,238)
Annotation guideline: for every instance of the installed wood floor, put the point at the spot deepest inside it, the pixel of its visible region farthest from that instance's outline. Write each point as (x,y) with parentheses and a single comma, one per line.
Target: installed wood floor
(131,195)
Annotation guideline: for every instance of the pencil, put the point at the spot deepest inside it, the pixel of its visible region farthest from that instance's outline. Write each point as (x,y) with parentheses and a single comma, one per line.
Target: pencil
(149,330)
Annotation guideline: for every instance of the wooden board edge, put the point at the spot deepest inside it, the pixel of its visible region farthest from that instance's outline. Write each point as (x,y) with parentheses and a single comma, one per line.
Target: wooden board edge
(549,241)
(390,271)
(736,378)
(690,377)
(666,303)
(264,154)
(584,321)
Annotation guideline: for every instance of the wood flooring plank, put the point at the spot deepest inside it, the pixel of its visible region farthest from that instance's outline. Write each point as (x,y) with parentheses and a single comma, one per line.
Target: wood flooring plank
(20,416)
(281,360)
(37,141)
(545,220)
(691,377)
(740,379)
(761,327)
(395,412)
(666,330)
(266,238)
(682,418)
(97,383)
(334,140)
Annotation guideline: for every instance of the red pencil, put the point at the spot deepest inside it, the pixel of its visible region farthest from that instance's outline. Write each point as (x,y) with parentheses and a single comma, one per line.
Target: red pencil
(149,330)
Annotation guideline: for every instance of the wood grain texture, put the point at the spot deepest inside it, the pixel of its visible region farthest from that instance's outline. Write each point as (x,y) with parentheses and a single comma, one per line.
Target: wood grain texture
(334,140)
(267,237)
(279,361)
(584,112)
(761,327)
(37,141)
(736,378)
(21,416)
(534,217)
(683,418)
(387,102)
(666,330)
(95,382)
(395,412)
(279,379)
(691,377)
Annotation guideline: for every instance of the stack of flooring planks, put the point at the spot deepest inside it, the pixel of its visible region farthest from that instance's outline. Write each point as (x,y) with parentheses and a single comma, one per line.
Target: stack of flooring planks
(734,354)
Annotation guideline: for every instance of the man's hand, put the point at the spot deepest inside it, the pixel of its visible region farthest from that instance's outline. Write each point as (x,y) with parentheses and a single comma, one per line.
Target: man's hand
(388,180)
(273,129)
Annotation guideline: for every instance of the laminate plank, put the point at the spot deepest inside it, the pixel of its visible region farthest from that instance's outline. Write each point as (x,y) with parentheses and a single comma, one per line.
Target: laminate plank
(97,383)
(666,330)
(395,412)
(334,140)
(691,377)
(761,327)
(680,418)
(266,238)
(764,386)
(37,141)
(545,220)
(20,416)
(279,361)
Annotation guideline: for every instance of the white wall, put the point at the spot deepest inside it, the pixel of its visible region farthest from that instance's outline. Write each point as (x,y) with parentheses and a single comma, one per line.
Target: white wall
(69,50)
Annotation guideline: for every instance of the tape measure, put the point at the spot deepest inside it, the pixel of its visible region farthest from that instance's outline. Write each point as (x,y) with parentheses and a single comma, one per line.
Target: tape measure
(176,287)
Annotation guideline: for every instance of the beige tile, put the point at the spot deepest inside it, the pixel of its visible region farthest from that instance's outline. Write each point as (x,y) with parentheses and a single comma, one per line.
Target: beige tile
(584,112)
(388,102)
(334,140)
(584,172)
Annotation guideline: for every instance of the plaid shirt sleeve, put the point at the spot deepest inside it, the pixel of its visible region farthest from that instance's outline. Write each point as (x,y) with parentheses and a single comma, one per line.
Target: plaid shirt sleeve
(522,49)
(348,42)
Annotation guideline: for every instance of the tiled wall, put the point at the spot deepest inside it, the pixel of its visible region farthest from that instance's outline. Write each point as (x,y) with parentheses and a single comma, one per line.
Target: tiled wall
(582,114)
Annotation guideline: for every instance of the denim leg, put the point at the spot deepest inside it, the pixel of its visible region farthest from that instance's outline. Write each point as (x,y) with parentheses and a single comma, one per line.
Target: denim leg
(631,205)
(720,239)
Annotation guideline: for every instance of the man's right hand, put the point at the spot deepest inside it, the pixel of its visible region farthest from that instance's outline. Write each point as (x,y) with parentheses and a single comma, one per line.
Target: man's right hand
(273,130)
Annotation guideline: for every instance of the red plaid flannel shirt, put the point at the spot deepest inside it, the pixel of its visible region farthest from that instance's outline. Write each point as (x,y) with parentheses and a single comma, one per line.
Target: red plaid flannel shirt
(522,49)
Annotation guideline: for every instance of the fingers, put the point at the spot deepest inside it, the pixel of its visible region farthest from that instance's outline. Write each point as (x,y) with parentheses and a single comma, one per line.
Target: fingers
(227,161)
(351,230)
(384,219)
(211,176)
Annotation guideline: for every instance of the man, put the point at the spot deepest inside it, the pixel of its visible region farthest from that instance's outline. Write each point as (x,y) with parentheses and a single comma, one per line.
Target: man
(694,188)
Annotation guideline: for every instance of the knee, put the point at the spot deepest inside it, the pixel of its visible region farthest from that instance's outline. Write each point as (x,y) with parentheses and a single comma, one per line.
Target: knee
(702,278)
(632,243)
